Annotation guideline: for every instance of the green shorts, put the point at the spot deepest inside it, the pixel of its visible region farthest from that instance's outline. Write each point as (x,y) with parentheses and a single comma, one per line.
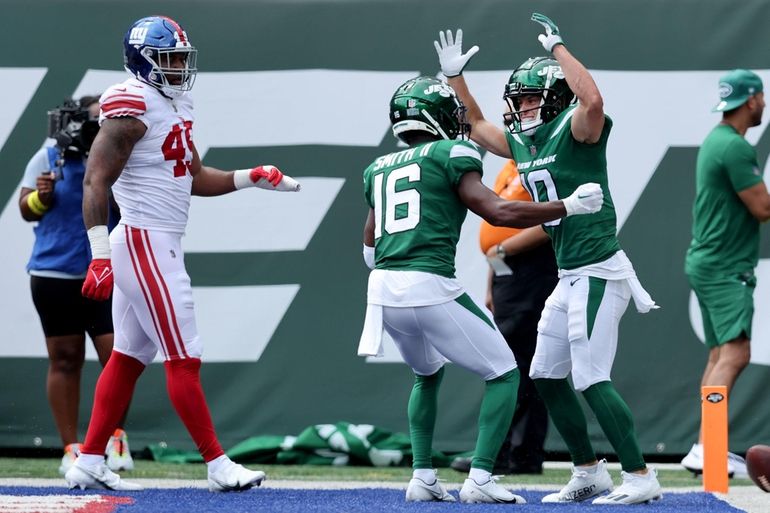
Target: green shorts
(726,304)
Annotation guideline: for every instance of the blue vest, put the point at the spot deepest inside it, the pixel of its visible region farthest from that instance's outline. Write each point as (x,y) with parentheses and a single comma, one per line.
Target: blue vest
(61,243)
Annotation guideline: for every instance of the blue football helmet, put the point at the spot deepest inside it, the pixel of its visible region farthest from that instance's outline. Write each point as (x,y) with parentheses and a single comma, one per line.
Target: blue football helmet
(152,48)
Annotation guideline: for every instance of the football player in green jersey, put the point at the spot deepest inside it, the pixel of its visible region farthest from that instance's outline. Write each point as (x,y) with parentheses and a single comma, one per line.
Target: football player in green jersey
(731,199)
(557,134)
(418,200)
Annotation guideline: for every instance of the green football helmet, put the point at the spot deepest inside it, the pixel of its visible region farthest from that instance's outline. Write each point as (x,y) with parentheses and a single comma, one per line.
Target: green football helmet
(536,76)
(426,104)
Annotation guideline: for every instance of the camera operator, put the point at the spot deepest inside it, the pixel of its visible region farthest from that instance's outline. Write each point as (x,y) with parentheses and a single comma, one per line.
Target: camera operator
(52,195)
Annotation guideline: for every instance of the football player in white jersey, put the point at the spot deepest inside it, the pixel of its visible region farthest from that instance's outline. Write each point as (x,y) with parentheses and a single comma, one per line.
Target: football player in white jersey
(145,152)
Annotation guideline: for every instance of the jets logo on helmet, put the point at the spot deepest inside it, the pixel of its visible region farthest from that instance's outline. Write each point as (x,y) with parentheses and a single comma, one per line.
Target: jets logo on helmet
(156,50)
(442,89)
(427,105)
(541,77)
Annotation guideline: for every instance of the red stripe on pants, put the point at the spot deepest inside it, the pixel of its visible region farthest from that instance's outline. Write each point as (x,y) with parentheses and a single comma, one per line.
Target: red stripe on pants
(143,287)
(166,293)
(159,300)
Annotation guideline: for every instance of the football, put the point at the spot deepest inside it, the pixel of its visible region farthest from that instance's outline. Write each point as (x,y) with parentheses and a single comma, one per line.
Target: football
(758,465)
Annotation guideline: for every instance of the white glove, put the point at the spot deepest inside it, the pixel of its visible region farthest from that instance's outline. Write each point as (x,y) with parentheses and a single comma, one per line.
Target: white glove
(551,37)
(587,199)
(450,53)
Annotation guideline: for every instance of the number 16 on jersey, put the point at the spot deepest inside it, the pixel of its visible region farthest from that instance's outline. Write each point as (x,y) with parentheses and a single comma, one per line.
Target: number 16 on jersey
(401,208)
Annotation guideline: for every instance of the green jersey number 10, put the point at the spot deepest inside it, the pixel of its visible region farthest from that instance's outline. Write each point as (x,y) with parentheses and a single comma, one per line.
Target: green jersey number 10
(542,176)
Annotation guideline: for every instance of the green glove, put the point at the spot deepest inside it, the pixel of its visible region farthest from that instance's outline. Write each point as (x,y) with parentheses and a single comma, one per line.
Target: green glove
(551,37)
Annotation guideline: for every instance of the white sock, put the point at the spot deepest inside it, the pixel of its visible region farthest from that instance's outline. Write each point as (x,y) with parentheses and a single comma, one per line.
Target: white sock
(428,475)
(217,463)
(481,476)
(89,460)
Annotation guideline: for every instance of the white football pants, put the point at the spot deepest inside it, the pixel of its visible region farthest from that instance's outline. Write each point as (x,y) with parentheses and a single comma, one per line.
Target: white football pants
(152,303)
(428,336)
(578,330)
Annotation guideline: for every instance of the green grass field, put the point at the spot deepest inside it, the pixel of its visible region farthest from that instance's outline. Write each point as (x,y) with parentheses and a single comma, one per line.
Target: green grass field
(47,468)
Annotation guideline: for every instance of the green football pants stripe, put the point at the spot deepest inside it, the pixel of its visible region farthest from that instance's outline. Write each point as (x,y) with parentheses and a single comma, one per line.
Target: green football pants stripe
(596,288)
(616,421)
(466,302)
(568,417)
(423,403)
(495,418)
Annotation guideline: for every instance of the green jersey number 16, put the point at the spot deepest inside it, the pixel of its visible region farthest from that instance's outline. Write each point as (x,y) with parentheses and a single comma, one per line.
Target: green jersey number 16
(408,215)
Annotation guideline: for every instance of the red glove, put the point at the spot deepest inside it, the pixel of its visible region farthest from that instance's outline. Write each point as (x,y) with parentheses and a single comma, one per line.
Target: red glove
(98,282)
(270,173)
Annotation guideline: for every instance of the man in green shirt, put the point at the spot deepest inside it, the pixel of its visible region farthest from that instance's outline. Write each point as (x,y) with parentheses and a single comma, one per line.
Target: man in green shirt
(418,200)
(558,143)
(730,201)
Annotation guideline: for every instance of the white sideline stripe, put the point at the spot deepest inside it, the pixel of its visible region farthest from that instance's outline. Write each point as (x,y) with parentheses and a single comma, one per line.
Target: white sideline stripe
(613,466)
(46,503)
(748,498)
(451,482)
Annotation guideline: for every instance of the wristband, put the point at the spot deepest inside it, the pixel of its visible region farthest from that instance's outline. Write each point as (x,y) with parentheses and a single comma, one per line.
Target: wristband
(35,205)
(369,256)
(99,238)
(242,179)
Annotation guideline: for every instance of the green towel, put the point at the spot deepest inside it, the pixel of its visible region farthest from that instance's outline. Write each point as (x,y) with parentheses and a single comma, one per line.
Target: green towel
(322,444)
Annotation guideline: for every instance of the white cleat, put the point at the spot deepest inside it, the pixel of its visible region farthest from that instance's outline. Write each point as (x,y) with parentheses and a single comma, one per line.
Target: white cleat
(233,477)
(97,478)
(420,491)
(693,461)
(636,489)
(71,452)
(489,492)
(118,454)
(583,485)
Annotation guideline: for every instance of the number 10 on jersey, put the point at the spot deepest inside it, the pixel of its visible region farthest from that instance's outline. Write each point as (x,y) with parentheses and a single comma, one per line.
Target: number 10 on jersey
(409,198)
(176,147)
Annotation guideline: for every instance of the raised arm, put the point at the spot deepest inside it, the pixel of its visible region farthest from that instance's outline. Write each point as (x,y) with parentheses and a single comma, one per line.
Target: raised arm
(453,61)
(481,200)
(588,121)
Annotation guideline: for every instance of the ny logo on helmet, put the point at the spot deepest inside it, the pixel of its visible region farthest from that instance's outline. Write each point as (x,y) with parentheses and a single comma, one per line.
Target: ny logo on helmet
(137,36)
(442,89)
